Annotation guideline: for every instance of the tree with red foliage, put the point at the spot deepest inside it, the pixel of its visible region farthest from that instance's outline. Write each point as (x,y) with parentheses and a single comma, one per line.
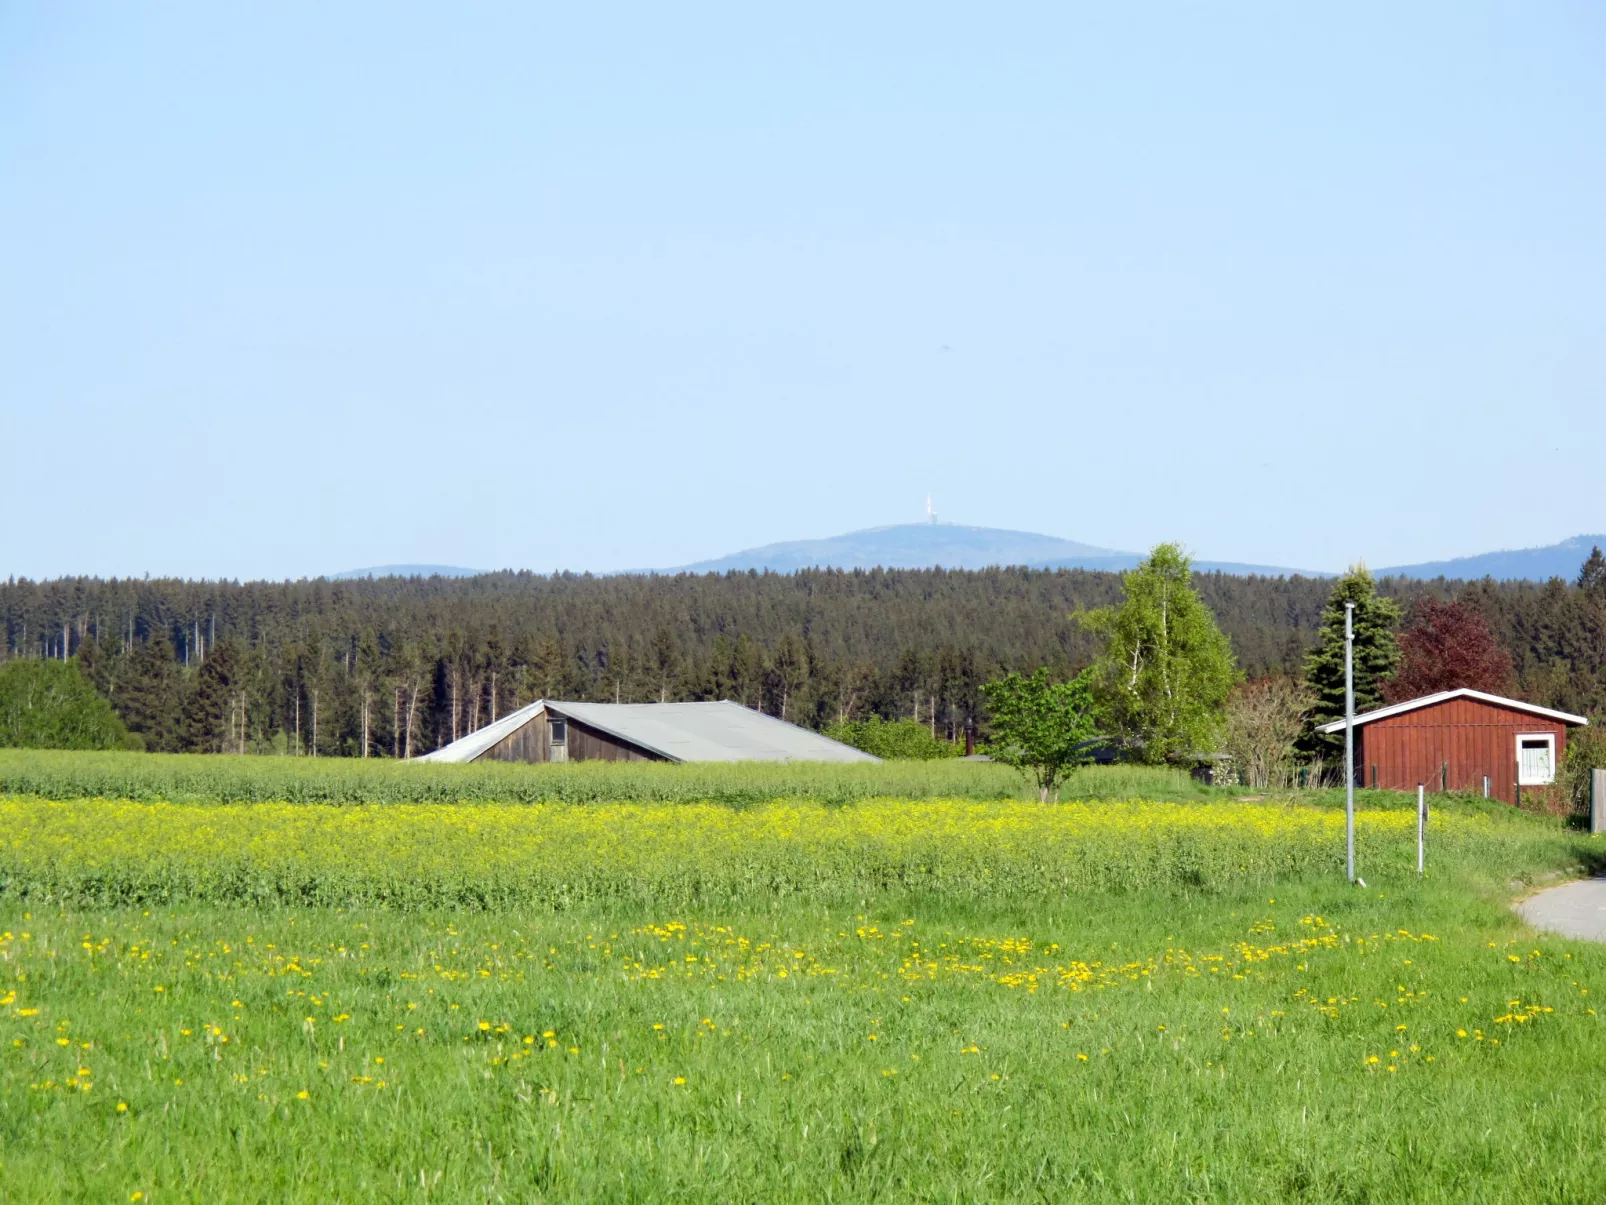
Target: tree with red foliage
(1444,647)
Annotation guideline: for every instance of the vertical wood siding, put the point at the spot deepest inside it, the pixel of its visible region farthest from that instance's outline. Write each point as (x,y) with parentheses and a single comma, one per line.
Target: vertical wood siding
(531,742)
(1472,737)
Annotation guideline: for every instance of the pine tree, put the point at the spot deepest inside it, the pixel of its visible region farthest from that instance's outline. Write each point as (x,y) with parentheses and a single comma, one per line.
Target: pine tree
(1377,653)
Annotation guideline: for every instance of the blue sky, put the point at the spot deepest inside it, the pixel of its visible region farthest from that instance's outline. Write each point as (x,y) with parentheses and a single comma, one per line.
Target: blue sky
(294,288)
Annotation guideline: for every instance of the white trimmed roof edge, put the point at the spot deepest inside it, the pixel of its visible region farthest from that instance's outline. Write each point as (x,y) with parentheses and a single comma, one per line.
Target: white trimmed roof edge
(1465,692)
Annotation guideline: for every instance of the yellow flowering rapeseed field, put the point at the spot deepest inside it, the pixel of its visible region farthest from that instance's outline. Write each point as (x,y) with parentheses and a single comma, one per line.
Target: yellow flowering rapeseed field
(111,851)
(888,1000)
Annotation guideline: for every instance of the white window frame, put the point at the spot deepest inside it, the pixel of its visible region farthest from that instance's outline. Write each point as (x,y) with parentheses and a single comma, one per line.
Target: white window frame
(1550,739)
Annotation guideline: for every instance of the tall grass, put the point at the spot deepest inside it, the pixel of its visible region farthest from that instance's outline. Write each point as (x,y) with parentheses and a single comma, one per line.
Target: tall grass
(192,778)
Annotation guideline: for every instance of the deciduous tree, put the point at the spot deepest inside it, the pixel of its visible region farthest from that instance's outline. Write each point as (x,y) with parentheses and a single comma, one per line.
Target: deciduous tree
(1264,720)
(1041,727)
(1446,646)
(1165,669)
(49,705)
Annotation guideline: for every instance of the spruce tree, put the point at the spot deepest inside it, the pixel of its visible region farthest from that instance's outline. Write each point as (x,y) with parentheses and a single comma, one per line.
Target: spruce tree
(1592,576)
(1377,653)
(151,693)
(208,708)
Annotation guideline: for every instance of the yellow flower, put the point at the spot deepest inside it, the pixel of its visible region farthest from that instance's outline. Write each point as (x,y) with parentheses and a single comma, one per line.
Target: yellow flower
(679,1080)
(303,1095)
(122,1106)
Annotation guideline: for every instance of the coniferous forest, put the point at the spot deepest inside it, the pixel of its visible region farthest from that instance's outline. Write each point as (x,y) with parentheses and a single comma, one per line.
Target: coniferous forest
(398,666)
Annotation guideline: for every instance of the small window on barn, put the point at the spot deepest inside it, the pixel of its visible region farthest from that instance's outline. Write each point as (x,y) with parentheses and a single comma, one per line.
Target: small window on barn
(560,732)
(1536,760)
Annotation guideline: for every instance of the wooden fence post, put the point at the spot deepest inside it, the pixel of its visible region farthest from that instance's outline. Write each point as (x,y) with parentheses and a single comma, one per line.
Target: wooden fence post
(1597,801)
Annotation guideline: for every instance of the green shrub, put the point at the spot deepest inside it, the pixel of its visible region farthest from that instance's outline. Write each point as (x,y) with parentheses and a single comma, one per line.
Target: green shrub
(1586,751)
(49,705)
(904,740)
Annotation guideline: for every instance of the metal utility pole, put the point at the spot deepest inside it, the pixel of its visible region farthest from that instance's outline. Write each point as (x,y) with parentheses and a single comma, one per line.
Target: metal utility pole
(1349,735)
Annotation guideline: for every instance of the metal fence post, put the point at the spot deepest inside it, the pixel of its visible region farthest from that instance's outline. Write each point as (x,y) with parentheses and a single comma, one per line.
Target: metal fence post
(1597,801)
(1421,828)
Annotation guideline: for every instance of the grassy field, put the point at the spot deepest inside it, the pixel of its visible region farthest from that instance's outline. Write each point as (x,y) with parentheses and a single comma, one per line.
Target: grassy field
(938,1000)
(191,778)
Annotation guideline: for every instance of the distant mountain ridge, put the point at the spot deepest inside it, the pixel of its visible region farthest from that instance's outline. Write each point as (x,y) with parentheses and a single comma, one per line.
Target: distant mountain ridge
(1561,560)
(958,546)
(950,545)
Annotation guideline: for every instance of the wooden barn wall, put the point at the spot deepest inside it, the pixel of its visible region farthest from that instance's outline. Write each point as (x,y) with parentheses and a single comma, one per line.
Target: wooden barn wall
(527,743)
(532,743)
(587,744)
(1475,738)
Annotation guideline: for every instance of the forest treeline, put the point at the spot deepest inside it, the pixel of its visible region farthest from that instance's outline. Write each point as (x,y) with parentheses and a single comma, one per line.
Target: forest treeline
(397,666)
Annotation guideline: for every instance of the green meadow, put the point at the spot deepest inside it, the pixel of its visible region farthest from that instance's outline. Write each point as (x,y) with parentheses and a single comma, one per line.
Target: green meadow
(1260,1031)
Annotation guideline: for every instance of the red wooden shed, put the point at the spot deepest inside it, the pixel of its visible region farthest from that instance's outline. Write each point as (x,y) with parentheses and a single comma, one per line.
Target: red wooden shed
(1450,741)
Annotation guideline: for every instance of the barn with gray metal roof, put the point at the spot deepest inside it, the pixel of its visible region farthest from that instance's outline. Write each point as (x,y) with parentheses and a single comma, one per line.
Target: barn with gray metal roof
(550,730)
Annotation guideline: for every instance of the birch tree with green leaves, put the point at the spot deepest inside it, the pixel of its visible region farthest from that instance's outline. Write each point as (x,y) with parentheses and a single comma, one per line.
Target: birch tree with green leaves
(1166,669)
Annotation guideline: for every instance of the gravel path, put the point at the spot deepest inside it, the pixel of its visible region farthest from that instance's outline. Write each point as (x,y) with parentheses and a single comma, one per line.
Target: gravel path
(1573,909)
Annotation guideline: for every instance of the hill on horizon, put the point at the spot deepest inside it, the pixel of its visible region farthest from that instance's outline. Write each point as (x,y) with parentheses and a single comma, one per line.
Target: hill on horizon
(959,546)
(949,545)
(1561,560)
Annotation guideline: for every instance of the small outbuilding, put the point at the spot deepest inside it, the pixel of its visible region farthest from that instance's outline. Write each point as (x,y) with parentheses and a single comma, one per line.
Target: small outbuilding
(1458,739)
(552,731)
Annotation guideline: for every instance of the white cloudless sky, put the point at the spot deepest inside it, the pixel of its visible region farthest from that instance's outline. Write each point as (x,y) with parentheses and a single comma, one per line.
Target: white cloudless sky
(294,288)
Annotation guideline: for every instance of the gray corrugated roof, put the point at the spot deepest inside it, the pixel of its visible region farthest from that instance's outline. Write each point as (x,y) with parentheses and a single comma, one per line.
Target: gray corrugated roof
(698,732)
(722,731)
